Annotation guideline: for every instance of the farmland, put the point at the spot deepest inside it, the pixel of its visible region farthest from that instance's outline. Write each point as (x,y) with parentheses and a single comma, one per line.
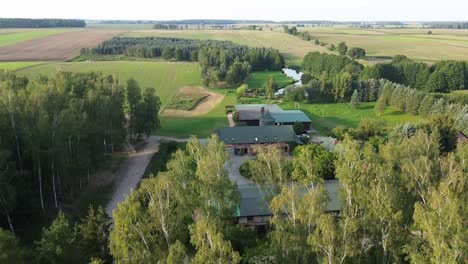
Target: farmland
(16,65)
(257,79)
(10,37)
(165,77)
(415,43)
(58,47)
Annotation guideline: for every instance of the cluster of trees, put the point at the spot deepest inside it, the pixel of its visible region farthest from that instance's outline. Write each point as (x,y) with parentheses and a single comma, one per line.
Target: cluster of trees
(449,25)
(63,242)
(167,27)
(40,23)
(443,76)
(55,131)
(219,60)
(184,211)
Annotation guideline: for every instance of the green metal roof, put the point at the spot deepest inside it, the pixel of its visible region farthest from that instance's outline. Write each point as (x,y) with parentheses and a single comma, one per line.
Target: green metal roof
(290,116)
(253,199)
(256,134)
(258,107)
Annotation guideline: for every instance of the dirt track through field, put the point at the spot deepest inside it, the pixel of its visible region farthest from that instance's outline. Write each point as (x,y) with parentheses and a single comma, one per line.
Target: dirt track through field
(59,47)
(203,107)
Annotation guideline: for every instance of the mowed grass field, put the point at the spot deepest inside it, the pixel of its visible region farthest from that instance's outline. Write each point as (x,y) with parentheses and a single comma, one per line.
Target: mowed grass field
(257,79)
(442,44)
(165,77)
(10,37)
(16,65)
(330,115)
(292,48)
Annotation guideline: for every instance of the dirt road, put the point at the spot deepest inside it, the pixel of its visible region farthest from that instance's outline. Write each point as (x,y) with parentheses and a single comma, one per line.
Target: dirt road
(132,169)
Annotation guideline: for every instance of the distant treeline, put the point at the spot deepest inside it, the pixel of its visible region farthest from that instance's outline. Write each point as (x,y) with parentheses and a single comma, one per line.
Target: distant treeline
(166,27)
(442,77)
(449,25)
(219,60)
(40,23)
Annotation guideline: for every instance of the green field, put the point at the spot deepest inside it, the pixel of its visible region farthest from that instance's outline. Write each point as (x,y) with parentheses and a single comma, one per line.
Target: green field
(11,37)
(327,116)
(16,65)
(165,77)
(257,79)
(443,44)
(201,126)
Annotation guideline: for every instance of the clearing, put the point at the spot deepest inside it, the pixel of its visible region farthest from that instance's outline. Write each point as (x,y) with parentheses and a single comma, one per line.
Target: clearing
(257,79)
(165,77)
(58,47)
(192,101)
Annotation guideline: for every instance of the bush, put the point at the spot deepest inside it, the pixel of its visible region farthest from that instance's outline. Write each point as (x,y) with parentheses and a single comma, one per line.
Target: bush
(357,53)
(245,170)
(298,128)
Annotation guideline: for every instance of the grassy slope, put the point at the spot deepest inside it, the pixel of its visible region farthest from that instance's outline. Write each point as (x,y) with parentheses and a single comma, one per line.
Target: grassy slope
(13,66)
(257,79)
(165,77)
(201,126)
(10,38)
(328,116)
(414,43)
(293,48)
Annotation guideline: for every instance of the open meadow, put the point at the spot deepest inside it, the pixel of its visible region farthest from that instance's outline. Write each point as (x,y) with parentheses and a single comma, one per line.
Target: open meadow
(16,65)
(165,77)
(257,79)
(442,44)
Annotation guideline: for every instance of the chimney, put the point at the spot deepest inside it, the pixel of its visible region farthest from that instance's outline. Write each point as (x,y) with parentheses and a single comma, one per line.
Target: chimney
(262,116)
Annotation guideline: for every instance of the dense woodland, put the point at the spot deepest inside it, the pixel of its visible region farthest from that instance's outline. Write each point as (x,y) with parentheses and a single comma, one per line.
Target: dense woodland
(55,132)
(442,77)
(219,60)
(403,201)
(40,23)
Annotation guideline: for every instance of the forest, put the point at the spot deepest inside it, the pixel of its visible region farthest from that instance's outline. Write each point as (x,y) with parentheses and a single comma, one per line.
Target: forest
(55,132)
(441,77)
(402,201)
(40,23)
(219,60)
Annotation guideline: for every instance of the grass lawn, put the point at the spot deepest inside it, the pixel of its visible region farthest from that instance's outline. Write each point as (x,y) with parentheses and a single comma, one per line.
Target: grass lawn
(257,79)
(10,38)
(463,92)
(201,126)
(165,77)
(16,65)
(329,115)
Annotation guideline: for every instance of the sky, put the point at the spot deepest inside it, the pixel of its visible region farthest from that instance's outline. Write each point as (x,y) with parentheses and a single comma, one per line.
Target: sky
(336,10)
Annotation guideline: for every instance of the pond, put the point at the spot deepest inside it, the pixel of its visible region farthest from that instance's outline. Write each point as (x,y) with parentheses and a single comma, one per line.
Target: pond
(293,74)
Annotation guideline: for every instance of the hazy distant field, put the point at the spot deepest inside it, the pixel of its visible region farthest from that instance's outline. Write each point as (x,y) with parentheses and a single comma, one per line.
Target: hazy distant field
(13,36)
(12,66)
(165,77)
(293,48)
(414,43)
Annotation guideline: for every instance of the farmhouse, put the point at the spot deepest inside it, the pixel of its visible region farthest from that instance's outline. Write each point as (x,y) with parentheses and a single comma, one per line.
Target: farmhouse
(270,114)
(254,211)
(242,138)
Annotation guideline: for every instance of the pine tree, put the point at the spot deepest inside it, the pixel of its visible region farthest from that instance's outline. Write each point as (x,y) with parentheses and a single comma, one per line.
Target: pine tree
(380,106)
(355,101)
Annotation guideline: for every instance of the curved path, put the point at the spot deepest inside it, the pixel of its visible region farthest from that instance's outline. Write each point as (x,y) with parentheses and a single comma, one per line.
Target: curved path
(132,169)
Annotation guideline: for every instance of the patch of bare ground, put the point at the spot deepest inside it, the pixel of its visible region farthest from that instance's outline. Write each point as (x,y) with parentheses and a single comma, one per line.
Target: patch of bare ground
(60,47)
(203,107)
